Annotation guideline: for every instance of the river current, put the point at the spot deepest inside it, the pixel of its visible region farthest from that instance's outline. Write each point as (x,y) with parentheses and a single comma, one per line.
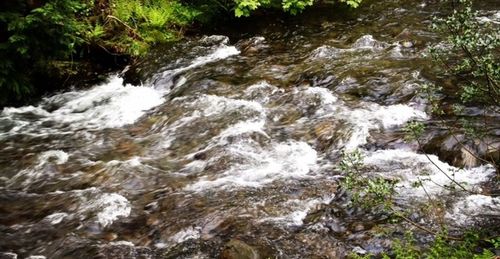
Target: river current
(228,146)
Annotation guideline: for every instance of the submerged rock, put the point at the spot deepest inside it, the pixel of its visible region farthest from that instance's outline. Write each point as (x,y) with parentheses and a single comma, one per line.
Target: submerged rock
(8,255)
(236,249)
(123,249)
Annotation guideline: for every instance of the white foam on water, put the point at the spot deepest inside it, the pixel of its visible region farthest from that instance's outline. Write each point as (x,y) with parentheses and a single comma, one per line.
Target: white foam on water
(107,105)
(432,176)
(221,52)
(365,42)
(262,85)
(320,98)
(41,170)
(212,39)
(396,115)
(121,243)
(368,42)
(262,165)
(325,95)
(134,161)
(186,234)
(60,156)
(493,18)
(244,127)
(90,205)
(472,208)
(111,207)
(160,245)
(370,116)
(374,116)
(299,210)
(37,111)
(410,167)
(326,52)
(396,52)
(212,106)
(103,208)
(261,92)
(56,218)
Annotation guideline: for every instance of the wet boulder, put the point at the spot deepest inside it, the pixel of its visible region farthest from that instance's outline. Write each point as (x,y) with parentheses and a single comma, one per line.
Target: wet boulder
(458,151)
(252,45)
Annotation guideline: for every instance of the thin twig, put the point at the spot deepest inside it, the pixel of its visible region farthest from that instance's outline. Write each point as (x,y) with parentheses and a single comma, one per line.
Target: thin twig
(126,25)
(430,231)
(442,171)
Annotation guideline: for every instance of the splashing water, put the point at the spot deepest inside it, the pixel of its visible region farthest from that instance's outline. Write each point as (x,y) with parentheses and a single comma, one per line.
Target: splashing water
(230,142)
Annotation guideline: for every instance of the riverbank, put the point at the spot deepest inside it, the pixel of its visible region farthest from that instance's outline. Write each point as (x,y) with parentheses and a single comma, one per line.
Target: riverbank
(48,46)
(225,147)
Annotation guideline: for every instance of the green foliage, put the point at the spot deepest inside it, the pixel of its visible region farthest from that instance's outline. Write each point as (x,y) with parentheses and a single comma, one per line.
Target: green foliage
(13,83)
(377,192)
(405,249)
(432,94)
(352,3)
(136,24)
(38,37)
(246,7)
(470,58)
(95,33)
(414,130)
(470,54)
(356,256)
(157,14)
(296,6)
(367,191)
(472,246)
(49,32)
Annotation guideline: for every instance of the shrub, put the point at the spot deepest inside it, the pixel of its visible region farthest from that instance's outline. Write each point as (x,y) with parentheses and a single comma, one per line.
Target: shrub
(245,7)
(41,38)
(35,39)
(38,39)
(146,22)
(469,56)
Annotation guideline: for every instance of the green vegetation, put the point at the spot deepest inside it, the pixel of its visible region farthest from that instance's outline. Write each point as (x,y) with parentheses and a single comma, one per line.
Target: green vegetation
(33,39)
(245,7)
(144,22)
(469,59)
(470,247)
(469,55)
(375,194)
(366,191)
(47,39)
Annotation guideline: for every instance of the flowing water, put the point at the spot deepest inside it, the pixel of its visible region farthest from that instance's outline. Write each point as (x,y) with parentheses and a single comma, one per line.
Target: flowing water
(228,147)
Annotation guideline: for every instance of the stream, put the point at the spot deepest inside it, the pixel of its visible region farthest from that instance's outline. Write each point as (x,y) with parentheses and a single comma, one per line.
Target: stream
(227,146)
